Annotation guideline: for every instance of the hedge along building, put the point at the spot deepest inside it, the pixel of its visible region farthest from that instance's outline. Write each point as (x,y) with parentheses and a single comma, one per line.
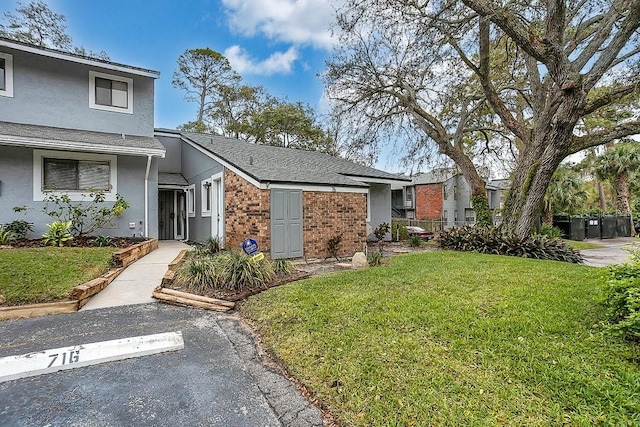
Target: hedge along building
(290,201)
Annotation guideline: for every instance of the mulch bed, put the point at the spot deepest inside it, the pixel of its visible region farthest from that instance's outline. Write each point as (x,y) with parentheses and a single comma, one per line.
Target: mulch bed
(78,242)
(235,296)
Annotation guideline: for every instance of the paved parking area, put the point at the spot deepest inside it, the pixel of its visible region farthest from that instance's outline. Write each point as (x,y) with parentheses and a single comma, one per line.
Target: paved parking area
(613,251)
(216,380)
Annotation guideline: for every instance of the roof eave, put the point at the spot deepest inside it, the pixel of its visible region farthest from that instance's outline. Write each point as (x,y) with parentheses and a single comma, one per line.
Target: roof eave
(51,53)
(79,146)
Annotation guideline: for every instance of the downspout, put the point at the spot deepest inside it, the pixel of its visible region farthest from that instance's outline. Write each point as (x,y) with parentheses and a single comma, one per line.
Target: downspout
(146,198)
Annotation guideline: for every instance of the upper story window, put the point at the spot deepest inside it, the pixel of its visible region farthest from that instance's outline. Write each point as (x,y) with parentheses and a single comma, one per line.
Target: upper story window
(110,93)
(6,75)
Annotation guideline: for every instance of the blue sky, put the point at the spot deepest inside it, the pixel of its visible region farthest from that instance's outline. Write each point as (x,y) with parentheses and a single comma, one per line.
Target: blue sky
(279,44)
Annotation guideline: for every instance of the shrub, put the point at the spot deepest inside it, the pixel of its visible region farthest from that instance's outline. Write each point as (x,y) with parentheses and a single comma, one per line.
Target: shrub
(550,231)
(374,258)
(86,216)
(494,241)
(6,236)
(414,241)
(333,245)
(58,234)
(198,274)
(103,241)
(212,245)
(399,230)
(20,228)
(238,271)
(282,267)
(380,232)
(622,300)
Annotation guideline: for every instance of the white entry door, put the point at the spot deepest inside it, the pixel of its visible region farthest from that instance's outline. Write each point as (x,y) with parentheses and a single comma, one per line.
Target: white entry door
(217,208)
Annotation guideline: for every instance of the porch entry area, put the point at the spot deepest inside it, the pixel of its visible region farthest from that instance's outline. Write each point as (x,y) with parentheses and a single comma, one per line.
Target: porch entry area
(172,214)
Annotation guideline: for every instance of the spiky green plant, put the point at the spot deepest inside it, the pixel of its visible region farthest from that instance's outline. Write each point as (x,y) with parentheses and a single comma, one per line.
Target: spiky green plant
(198,274)
(282,267)
(58,234)
(6,236)
(239,272)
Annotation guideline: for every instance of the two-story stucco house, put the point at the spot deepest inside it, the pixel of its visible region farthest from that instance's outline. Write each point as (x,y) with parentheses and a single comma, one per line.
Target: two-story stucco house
(69,123)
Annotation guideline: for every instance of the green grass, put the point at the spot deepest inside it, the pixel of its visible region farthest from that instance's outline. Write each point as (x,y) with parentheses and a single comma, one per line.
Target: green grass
(48,274)
(579,246)
(452,338)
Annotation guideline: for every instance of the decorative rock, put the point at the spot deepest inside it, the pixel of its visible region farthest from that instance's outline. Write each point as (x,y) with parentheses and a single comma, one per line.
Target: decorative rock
(359,261)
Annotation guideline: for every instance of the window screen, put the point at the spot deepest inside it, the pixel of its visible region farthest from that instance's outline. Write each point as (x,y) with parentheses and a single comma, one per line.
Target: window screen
(75,175)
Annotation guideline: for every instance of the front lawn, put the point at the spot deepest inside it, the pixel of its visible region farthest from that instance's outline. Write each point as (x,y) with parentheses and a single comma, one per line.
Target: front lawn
(452,338)
(48,274)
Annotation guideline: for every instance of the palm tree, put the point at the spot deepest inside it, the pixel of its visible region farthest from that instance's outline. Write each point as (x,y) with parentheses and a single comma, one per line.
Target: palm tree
(620,164)
(566,193)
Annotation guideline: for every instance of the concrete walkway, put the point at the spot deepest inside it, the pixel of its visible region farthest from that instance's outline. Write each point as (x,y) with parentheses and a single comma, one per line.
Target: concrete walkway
(137,282)
(613,251)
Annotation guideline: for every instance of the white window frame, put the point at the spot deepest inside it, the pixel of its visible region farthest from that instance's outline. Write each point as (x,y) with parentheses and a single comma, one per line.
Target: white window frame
(92,92)
(368,196)
(8,75)
(38,159)
(191,201)
(204,212)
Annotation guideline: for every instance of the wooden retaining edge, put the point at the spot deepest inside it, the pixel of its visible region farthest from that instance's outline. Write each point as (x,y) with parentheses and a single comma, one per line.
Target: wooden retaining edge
(171,296)
(173,265)
(124,257)
(36,310)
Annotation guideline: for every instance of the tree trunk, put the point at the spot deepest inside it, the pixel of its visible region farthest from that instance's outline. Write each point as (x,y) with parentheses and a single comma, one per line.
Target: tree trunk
(601,196)
(623,207)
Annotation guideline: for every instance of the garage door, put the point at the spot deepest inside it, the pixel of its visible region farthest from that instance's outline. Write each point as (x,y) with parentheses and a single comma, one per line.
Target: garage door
(286,223)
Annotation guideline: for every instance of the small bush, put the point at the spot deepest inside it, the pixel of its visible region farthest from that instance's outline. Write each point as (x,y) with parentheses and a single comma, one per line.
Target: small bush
(198,274)
(238,271)
(414,241)
(333,245)
(103,241)
(550,231)
(212,245)
(58,234)
(399,230)
(20,228)
(6,236)
(622,300)
(282,267)
(374,258)
(494,241)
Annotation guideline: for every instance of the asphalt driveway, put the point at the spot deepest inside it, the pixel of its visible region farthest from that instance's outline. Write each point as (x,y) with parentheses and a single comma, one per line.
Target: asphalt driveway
(216,380)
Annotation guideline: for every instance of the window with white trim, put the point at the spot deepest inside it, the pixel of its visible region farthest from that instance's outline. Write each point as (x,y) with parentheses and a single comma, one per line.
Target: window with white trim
(205,193)
(191,200)
(74,174)
(110,93)
(6,75)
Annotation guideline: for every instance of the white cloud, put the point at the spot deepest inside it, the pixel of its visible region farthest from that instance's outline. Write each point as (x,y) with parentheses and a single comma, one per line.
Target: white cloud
(276,63)
(293,21)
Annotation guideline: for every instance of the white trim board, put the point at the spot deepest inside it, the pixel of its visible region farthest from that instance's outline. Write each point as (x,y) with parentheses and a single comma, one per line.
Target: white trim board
(19,141)
(58,359)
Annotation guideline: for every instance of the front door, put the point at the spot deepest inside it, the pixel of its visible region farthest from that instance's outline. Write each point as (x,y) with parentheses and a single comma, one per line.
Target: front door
(171,214)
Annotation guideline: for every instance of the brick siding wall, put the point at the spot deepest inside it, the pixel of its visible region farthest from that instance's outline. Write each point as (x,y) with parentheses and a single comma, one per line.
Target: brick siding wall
(325,215)
(429,201)
(329,214)
(247,213)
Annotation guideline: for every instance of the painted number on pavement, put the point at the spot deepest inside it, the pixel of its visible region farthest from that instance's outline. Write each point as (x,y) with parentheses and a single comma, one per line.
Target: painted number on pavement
(72,356)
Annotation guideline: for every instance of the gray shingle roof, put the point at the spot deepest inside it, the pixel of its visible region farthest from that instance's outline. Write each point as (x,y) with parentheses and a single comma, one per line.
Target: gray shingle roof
(132,143)
(166,178)
(435,176)
(276,164)
(74,57)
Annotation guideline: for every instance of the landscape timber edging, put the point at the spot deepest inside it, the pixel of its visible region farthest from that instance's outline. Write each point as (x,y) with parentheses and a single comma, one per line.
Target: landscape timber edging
(81,294)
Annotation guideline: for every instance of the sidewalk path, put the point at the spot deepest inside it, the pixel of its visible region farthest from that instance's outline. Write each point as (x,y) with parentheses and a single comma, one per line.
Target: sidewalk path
(613,251)
(137,282)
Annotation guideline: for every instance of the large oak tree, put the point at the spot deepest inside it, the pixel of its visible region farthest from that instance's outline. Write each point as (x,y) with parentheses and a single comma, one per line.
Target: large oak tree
(466,73)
